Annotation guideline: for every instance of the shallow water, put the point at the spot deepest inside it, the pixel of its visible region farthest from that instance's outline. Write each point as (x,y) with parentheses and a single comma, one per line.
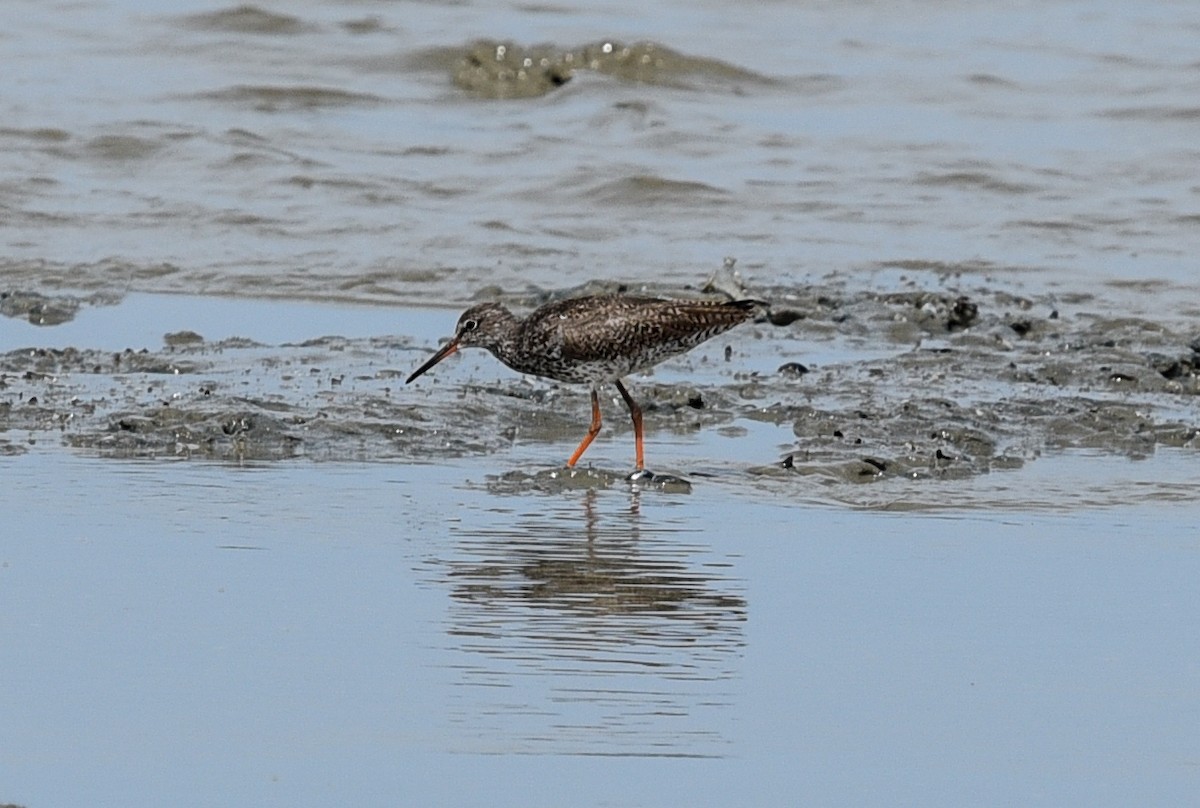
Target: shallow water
(952,563)
(324,151)
(432,623)
(291,632)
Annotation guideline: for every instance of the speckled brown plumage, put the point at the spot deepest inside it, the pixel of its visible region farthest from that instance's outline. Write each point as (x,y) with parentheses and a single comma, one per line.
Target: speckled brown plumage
(593,340)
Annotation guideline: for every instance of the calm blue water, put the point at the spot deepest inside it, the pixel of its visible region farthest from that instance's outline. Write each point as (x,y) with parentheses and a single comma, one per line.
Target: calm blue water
(191,634)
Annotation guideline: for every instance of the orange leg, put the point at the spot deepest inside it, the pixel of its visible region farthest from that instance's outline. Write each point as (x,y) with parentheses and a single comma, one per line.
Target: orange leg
(593,431)
(635,412)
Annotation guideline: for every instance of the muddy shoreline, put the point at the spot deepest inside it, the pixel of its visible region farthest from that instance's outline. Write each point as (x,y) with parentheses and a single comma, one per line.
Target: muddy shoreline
(945,383)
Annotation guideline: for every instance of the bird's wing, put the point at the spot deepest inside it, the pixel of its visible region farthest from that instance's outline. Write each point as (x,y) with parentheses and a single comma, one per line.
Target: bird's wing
(584,329)
(589,331)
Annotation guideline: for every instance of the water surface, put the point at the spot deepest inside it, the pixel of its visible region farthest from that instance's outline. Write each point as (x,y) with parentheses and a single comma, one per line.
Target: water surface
(954,563)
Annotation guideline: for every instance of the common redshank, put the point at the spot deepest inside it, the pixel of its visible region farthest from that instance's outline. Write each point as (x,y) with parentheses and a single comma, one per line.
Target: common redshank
(593,340)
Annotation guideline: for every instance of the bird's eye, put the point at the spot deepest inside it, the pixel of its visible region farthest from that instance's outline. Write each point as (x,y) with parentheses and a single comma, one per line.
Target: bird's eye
(470,325)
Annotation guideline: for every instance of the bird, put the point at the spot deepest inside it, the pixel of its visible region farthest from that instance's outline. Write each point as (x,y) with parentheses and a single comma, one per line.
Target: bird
(593,340)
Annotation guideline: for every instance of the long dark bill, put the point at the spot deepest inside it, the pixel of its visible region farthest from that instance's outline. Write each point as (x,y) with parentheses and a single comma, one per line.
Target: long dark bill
(447,349)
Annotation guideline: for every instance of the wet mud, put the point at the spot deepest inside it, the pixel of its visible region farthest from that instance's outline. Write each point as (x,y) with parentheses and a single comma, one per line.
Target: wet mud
(48,310)
(498,70)
(934,378)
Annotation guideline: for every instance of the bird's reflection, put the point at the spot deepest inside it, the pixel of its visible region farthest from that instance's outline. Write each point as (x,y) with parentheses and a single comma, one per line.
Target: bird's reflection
(623,632)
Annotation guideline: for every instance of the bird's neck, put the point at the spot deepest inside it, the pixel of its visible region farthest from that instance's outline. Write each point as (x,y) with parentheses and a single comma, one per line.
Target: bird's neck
(505,340)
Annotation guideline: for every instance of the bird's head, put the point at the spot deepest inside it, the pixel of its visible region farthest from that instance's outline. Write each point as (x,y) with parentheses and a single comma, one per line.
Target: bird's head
(482,326)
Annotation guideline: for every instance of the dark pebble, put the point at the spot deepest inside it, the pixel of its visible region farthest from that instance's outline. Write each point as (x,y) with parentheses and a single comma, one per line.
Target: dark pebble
(783,317)
(964,313)
(793,369)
